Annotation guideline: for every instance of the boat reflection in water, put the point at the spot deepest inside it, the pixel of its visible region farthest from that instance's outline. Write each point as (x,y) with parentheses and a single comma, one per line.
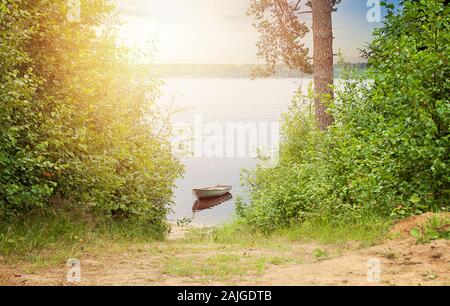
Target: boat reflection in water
(207,203)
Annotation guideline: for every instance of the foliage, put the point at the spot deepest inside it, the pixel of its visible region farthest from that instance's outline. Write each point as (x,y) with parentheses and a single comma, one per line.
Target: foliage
(387,154)
(437,227)
(281,29)
(397,128)
(78,123)
(279,195)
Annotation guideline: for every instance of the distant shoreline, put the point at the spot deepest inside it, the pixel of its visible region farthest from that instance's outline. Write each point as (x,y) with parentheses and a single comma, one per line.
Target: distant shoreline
(223,71)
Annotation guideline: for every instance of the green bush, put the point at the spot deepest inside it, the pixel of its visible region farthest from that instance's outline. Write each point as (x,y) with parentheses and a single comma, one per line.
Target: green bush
(78,122)
(387,154)
(395,132)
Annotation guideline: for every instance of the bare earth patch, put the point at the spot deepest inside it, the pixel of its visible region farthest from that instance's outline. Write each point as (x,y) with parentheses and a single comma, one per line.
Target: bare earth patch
(402,263)
(177,262)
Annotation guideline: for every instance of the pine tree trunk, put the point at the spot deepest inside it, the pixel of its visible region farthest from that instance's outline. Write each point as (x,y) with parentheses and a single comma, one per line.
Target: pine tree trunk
(323,60)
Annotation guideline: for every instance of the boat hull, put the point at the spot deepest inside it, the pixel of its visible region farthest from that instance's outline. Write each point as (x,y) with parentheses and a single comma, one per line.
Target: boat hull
(211,192)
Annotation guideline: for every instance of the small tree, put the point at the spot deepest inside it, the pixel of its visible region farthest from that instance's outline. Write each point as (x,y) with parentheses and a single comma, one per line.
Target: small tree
(281,28)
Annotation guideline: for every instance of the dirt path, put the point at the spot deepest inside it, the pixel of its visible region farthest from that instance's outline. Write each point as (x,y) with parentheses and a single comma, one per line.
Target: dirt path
(401,263)
(176,262)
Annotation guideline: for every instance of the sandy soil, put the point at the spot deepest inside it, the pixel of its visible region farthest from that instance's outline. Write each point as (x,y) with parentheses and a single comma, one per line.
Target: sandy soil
(402,262)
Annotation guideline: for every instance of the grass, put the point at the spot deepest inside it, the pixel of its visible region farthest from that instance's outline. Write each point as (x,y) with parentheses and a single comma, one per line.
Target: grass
(216,267)
(227,252)
(226,266)
(320,254)
(45,238)
(437,227)
(63,234)
(221,254)
(367,232)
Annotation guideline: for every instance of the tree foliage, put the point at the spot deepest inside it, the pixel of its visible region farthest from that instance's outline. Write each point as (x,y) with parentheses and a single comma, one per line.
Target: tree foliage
(282,28)
(77,120)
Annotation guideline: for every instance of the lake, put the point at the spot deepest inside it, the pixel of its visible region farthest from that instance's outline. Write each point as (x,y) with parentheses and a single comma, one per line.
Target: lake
(222,124)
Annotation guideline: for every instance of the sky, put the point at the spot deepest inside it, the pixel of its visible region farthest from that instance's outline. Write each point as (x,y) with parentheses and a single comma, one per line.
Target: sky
(220,32)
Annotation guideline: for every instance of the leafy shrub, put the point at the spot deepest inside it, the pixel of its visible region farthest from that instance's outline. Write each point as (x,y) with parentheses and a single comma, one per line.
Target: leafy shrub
(77,119)
(395,132)
(387,154)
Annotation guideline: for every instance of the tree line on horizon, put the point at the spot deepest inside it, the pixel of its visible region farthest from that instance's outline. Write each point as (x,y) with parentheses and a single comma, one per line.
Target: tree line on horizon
(240,70)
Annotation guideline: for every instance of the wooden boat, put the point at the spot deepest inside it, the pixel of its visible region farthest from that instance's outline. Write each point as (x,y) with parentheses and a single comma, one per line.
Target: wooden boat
(210,202)
(211,192)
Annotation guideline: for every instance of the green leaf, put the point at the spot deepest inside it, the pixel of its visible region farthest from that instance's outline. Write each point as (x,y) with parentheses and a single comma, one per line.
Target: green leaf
(415,233)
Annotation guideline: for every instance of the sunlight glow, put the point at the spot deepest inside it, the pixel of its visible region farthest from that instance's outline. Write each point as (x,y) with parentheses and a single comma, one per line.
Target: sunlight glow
(194,31)
(220,32)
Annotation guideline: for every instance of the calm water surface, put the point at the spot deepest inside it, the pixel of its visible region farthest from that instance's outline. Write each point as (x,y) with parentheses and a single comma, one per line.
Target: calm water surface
(221,101)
